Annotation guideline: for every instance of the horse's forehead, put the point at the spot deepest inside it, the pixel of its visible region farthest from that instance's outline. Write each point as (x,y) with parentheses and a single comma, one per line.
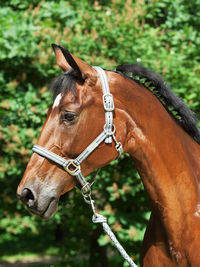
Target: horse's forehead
(63,99)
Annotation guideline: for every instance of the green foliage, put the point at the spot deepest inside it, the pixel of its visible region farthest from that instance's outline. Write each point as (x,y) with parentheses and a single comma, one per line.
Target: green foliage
(164,35)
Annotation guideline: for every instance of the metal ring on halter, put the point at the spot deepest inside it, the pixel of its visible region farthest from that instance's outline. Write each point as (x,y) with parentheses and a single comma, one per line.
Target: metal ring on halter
(87,197)
(87,194)
(112,132)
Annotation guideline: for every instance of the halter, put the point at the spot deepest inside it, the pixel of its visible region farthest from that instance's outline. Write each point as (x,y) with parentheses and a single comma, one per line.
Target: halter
(72,166)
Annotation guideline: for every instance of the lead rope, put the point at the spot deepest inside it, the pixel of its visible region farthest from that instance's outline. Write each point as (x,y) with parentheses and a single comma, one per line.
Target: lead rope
(98,218)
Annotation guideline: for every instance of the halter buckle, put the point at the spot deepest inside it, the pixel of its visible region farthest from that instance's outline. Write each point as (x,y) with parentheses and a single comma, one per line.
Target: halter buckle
(119,148)
(108,102)
(72,168)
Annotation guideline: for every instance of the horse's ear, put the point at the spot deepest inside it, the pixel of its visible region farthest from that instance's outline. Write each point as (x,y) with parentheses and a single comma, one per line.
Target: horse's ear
(66,61)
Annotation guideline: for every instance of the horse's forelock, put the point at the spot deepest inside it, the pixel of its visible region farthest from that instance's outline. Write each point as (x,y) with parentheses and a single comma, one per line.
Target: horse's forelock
(64,83)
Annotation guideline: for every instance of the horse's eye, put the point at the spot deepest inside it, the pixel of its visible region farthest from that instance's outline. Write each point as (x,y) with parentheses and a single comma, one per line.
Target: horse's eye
(68,116)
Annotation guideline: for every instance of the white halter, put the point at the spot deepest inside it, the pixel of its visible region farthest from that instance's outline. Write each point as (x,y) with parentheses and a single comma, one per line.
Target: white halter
(72,166)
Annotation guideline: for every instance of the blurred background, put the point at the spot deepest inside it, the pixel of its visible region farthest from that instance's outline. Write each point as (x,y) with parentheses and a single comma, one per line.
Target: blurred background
(163,35)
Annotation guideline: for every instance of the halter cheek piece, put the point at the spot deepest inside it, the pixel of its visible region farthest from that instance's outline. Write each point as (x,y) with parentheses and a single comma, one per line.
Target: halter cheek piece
(72,166)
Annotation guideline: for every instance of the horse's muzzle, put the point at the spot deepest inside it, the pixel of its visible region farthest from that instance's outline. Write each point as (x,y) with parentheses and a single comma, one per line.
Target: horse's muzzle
(43,204)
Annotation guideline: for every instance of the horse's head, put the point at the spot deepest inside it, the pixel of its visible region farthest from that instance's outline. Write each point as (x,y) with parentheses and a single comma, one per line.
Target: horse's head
(74,120)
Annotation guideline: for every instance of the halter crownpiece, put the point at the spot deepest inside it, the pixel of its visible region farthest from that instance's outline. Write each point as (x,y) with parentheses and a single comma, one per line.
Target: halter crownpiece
(72,166)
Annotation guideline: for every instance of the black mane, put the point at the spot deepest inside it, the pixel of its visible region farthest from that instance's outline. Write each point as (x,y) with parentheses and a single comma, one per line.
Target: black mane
(173,104)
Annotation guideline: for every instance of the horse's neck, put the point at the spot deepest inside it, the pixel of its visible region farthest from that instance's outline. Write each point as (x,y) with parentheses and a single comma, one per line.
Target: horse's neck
(166,158)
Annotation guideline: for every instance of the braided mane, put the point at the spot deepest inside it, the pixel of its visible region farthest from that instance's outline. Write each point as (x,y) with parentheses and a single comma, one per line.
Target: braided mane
(172,103)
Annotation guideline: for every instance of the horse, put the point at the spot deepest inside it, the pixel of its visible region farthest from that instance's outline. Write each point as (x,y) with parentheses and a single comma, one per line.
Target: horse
(154,126)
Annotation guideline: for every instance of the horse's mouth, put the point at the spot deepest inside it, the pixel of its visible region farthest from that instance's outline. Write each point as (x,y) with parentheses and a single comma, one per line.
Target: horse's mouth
(48,211)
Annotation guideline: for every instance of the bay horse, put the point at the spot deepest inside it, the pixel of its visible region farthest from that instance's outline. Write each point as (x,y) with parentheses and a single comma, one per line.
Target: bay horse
(155,128)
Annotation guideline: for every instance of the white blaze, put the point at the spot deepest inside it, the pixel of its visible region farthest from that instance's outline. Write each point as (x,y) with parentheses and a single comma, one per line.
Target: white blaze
(57,101)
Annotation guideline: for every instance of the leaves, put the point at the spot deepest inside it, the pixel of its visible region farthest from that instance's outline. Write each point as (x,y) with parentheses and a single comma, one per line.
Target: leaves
(163,35)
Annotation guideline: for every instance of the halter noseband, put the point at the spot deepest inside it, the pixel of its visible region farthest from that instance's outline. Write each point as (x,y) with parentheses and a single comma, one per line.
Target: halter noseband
(72,166)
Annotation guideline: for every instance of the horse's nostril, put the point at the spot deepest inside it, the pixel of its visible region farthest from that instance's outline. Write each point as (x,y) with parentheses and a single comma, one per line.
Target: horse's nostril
(28,197)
